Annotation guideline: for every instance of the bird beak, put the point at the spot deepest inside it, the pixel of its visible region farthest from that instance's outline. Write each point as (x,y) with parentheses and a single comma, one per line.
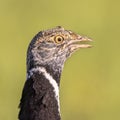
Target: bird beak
(79,42)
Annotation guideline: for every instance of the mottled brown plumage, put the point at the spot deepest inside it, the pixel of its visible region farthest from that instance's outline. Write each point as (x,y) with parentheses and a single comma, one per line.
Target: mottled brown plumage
(46,55)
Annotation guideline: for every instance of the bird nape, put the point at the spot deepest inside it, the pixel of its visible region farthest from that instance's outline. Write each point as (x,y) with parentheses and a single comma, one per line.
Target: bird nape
(46,55)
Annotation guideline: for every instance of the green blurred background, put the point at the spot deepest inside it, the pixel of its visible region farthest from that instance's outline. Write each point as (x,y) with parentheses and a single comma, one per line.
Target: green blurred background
(90,83)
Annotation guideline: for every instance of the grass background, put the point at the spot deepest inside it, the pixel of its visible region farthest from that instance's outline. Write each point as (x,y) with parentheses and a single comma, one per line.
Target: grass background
(90,84)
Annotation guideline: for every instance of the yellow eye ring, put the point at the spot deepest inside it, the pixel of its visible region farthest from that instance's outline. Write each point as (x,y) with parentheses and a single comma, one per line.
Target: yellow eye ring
(58,39)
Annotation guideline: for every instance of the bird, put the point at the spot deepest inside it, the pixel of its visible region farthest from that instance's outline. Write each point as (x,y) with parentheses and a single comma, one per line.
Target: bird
(46,55)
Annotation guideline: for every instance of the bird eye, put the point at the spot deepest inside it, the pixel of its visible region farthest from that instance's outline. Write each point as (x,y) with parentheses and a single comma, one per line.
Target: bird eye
(58,39)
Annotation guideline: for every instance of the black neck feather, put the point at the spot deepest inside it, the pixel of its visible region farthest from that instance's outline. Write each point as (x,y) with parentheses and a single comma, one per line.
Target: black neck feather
(38,100)
(56,74)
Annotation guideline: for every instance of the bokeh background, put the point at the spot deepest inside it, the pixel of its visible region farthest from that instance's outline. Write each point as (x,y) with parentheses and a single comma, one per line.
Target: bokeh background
(90,83)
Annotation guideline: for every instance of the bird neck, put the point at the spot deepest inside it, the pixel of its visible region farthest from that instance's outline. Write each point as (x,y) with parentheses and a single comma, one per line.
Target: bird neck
(40,98)
(53,68)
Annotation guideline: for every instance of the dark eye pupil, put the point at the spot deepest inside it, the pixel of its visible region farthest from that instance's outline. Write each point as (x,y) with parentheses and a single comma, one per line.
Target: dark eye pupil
(59,39)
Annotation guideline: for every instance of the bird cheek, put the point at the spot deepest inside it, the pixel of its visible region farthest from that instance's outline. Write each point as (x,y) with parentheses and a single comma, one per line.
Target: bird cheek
(43,54)
(63,47)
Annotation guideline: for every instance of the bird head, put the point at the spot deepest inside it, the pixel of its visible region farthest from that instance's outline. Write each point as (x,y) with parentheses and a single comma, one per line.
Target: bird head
(54,46)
